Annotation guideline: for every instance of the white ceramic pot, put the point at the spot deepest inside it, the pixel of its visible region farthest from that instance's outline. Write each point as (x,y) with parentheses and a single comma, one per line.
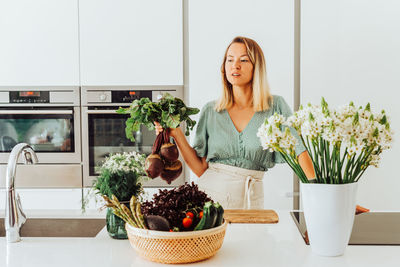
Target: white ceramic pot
(329,211)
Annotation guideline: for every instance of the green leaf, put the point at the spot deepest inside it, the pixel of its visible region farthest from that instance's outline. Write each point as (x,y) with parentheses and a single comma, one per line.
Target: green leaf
(356,118)
(167,96)
(122,110)
(310,116)
(192,111)
(172,121)
(169,112)
(375,133)
(383,120)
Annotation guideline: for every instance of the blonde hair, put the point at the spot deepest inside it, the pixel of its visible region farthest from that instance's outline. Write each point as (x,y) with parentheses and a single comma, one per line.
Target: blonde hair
(262,98)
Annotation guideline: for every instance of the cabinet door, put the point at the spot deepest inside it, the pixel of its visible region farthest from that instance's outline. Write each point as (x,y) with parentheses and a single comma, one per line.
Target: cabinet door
(350,52)
(131,42)
(39,42)
(212,26)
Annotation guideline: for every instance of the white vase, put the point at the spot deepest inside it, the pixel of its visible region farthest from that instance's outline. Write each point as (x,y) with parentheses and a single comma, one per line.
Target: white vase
(329,211)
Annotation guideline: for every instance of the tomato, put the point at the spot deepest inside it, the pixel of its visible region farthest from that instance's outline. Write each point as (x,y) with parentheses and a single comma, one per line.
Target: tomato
(201,214)
(190,215)
(187,222)
(171,230)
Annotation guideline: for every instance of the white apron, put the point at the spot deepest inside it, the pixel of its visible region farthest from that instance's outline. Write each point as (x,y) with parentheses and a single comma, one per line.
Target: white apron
(233,187)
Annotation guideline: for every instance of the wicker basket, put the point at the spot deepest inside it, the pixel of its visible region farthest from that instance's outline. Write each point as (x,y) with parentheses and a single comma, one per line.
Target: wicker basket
(176,247)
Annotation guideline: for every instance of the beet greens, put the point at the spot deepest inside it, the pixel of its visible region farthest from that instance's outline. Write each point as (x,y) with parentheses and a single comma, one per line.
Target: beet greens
(169,112)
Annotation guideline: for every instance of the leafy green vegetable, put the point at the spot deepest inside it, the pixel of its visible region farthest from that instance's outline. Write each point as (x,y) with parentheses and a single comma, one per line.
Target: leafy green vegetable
(121,184)
(169,112)
(121,175)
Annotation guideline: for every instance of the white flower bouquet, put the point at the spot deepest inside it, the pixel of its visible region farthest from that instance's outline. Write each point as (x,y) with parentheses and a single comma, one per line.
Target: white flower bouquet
(125,162)
(122,175)
(342,142)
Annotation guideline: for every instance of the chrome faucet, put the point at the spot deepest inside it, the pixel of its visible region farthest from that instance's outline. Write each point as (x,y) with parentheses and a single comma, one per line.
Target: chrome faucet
(15,217)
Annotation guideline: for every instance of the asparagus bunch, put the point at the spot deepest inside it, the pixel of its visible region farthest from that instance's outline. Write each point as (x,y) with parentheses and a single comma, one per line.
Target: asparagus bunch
(133,216)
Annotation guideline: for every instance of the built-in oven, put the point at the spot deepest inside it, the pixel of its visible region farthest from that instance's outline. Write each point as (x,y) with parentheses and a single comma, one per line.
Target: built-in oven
(47,118)
(103,130)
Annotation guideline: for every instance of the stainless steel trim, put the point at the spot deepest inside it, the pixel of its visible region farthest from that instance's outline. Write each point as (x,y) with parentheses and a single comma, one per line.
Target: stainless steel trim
(4,97)
(98,111)
(35,105)
(85,100)
(86,180)
(296,84)
(98,97)
(132,87)
(36,112)
(38,88)
(62,97)
(56,94)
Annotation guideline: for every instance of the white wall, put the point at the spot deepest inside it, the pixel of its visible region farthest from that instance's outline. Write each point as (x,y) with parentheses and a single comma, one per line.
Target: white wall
(212,25)
(350,52)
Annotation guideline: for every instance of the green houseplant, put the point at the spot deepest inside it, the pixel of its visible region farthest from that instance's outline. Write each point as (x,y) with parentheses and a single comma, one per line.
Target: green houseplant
(342,144)
(120,175)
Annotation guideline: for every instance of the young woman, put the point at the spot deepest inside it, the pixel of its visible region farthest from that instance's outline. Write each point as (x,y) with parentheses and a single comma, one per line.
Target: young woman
(227,154)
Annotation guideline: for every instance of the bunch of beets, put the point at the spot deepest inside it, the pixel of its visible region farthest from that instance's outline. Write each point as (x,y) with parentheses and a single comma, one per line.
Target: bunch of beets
(170,112)
(163,161)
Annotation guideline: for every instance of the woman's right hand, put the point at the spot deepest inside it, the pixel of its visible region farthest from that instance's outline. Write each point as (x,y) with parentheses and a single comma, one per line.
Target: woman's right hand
(159,128)
(196,164)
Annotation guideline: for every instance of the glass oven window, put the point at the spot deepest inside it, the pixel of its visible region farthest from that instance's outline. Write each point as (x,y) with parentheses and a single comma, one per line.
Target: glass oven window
(107,135)
(44,132)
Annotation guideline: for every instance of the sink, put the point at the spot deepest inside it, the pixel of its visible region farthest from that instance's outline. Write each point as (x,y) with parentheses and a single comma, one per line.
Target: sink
(59,227)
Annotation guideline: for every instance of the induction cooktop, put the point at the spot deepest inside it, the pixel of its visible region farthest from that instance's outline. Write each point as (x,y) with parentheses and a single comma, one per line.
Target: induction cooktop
(370,228)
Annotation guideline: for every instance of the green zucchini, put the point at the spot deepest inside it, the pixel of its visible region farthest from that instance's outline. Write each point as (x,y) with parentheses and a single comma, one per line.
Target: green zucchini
(220,214)
(209,217)
(202,222)
(212,218)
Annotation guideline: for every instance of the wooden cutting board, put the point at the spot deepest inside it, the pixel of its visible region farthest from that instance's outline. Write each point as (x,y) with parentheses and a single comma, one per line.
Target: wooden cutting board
(250,216)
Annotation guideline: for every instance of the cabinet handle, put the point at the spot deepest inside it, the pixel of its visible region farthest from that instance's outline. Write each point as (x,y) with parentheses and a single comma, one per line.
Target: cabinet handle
(12,112)
(107,111)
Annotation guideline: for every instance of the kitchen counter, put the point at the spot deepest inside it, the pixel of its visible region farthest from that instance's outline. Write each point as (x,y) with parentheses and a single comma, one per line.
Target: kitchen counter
(245,245)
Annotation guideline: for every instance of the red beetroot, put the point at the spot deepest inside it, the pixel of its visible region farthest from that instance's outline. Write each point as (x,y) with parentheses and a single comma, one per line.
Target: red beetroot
(171,171)
(169,152)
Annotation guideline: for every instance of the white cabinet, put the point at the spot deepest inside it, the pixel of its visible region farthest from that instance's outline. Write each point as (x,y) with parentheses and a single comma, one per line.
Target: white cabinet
(46,199)
(212,25)
(131,42)
(350,52)
(39,42)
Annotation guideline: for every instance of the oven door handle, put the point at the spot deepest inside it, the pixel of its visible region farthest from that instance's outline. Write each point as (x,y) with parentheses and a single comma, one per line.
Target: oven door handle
(106,111)
(36,112)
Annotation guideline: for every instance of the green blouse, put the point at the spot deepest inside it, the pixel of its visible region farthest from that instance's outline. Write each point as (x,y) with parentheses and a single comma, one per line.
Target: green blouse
(218,140)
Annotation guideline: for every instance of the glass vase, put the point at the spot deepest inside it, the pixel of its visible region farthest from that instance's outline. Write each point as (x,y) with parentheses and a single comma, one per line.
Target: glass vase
(115,225)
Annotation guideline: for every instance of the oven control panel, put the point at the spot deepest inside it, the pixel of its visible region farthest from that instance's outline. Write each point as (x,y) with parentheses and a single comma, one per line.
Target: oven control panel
(117,96)
(129,96)
(29,97)
(125,95)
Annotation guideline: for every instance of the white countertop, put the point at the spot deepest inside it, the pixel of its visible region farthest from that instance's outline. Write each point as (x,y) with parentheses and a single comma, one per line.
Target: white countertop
(244,245)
